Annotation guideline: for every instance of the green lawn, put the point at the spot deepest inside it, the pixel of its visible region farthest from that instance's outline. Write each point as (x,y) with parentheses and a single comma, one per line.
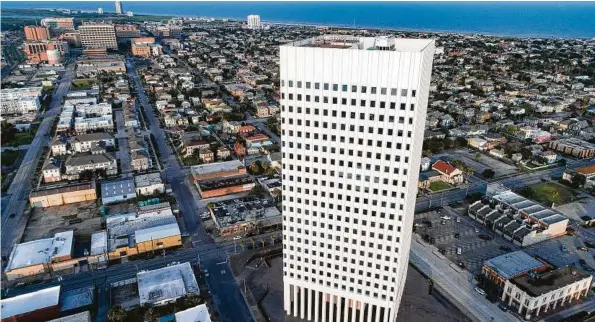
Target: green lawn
(439,186)
(9,157)
(21,138)
(548,193)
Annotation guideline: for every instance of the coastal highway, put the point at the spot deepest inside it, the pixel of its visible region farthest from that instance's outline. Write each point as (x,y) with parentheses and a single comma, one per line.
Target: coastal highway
(13,220)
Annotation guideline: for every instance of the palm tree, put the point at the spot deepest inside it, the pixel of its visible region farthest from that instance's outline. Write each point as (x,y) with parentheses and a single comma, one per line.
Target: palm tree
(151,315)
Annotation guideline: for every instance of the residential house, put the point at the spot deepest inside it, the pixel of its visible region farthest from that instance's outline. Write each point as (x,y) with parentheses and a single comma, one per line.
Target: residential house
(449,173)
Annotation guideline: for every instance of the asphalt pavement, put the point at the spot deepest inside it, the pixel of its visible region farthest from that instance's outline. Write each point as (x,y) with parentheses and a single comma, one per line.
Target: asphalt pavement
(224,289)
(21,185)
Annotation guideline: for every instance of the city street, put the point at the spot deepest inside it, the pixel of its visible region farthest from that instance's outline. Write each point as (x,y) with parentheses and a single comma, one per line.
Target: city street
(226,294)
(456,286)
(13,220)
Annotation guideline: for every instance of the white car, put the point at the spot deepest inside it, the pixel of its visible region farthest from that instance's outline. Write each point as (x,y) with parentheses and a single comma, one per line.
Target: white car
(480,291)
(445,217)
(237,238)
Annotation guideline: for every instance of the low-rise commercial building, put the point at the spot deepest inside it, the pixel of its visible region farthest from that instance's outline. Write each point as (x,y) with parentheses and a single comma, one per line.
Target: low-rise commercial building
(198,313)
(536,293)
(145,47)
(115,191)
(245,214)
(20,100)
(63,195)
(35,257)
(522,221)
(38,306)
(166,285)
(149,184)
(511,265)
(218,170)
(153,227)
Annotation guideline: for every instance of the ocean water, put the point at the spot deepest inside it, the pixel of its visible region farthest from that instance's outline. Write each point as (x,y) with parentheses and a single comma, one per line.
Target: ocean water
(523,19)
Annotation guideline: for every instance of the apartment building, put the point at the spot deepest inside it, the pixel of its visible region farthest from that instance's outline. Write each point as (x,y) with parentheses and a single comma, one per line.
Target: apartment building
(85,142)
(126,32)
(353,117)
(78,163)
(575,147)
(97,36)
(44,51)
(145,47)
(20,100)
(37,33)
(254,22)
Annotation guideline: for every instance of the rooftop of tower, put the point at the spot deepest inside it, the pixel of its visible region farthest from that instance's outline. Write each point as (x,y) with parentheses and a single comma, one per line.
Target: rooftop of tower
(382,43)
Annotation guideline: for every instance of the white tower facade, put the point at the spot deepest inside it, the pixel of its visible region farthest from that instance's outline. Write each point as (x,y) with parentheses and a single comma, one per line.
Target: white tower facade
(100,11)
(254,22)
(353,117)
(119,9)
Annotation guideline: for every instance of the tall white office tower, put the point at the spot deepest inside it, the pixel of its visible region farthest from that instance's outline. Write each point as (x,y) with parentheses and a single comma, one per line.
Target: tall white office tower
(353,117)
(119,9)
(100,11)
(254,22)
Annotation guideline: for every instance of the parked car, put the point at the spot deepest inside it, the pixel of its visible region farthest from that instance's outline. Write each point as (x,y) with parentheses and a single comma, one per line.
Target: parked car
(502,307)
(485,237)
(445,217)
(564,248)
(457,235)
(480,291)
(505,248)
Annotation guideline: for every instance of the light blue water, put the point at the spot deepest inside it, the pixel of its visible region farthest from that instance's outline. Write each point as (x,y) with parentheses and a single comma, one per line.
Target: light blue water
(527,19)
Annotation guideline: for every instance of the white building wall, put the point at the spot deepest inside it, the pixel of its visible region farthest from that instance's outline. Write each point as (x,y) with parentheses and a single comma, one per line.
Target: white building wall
(339,215)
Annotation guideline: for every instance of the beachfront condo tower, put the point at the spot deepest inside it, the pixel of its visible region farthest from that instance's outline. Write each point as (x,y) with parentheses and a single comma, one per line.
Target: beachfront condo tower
(353,116)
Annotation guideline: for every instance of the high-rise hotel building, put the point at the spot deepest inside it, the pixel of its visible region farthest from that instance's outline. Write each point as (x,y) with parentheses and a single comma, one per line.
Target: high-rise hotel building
(353,116)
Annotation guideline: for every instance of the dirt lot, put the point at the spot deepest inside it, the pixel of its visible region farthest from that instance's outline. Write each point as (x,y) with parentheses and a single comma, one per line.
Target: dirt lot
(45,222)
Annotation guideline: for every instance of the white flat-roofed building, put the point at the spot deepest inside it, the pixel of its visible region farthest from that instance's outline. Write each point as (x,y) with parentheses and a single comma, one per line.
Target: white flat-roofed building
(23,105)
(78,317)
(199,313)
(34,257)
(101,109)
(99,243)
(20,100)
(165,285)
(149,184)
(353,116)
(17,308)
(155,233)
(83,125)
(218,170)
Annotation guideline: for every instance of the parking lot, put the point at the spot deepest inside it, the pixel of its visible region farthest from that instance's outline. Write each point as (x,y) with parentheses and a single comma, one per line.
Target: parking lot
(479,165)
(450,231)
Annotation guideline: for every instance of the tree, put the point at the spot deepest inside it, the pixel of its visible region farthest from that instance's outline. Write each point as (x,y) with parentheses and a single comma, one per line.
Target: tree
(151,315)
(477,156)
(116,314)
(257,191)
(192,300)
(86,175)
(488,173)
(8,132)
(254,167)
(276,193)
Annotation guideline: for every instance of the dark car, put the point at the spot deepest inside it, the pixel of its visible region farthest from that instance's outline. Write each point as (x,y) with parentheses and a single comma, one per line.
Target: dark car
(505,248)
(485,237)
(502,307)
(457,235)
